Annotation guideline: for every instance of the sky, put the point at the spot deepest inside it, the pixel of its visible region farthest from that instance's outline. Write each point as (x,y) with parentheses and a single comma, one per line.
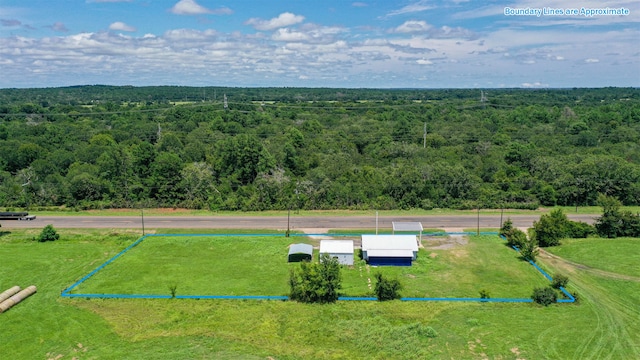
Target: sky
(320,43)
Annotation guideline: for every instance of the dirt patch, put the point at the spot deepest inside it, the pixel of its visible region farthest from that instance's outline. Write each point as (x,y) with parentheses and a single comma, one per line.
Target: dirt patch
(433,255)
(445,243)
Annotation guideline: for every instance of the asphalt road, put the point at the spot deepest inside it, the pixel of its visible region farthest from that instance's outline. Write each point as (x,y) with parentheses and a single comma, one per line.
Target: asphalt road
(448,222)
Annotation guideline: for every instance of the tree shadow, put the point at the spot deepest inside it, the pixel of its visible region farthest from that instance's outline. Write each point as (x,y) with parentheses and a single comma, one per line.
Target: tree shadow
(3,233)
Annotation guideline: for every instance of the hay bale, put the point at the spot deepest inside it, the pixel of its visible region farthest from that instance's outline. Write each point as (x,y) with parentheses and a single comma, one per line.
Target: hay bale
(15,299)
(9,293)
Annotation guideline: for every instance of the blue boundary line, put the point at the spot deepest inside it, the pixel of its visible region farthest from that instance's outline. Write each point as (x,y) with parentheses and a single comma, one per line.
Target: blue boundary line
(66,292)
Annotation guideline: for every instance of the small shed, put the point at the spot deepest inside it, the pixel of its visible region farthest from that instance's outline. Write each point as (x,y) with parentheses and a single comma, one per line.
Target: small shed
(300,252)
(339,249)
(396,250)
(408,226)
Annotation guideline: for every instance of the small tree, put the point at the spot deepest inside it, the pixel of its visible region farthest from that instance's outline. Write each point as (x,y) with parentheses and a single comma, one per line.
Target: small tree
(506,228)
(551,228)
(48,234)
(316,282)
(559,281)
(529,249)
(387,289)
(544,296)
(615,222)
(515,237)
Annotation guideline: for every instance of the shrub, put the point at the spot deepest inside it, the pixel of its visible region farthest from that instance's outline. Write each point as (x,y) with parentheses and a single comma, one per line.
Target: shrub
(518,239)
(316,282)
(551,228)
(615,222)
(484,294)
(48,234)
(559,281)
(529,250)
(579,230)
(544,296)
(515,237)
(387,289)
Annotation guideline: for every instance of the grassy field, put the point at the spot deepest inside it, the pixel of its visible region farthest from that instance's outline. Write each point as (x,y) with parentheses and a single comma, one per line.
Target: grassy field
(245,265)
(605,324)
(616,255)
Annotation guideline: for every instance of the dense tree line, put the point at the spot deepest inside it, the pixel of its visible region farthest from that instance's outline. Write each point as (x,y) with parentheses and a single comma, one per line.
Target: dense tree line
(272,148)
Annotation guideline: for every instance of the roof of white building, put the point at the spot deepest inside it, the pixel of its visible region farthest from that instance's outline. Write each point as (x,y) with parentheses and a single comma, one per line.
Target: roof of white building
(336,246)
(406,226)
(389,242)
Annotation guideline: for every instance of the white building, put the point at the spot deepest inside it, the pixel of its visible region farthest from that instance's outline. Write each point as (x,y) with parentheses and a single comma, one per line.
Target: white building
(399,250)
(340,249)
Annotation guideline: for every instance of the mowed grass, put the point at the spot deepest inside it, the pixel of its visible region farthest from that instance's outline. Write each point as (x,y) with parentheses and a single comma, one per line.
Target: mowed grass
(197,265)
(619,255)
(604,324)
(250,265)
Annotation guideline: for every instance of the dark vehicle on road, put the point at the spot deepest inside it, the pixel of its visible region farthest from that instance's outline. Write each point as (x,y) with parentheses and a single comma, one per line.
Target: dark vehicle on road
(10,215)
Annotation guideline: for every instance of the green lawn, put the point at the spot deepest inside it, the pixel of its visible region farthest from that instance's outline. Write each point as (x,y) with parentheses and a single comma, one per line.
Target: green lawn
(247,265)
(616,255)
(605,324)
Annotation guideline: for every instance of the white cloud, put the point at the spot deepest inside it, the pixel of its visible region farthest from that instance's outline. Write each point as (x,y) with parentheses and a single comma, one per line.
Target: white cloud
(287,34)
(190,7)
(283,20)
(120,26)
(591,61)
(424,62)
(412,26)
(536,84)
(418,6)
(359,4)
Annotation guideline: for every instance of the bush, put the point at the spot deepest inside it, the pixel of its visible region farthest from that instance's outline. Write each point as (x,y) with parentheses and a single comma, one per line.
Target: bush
(579,230)
(48,234)
(529,249)
(559,281)
(551,228)
(515,237)
(484,294)
(316,282)
(615,222)
(387,289)
(544,296)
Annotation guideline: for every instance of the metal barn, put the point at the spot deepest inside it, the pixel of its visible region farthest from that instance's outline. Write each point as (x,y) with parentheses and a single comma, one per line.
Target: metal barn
(389,250)
(300,252)
(340,249)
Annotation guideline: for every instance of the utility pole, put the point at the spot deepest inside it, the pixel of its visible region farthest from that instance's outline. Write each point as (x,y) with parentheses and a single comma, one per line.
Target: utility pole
(142,213)
(226,105)
(478,232)
(288,217)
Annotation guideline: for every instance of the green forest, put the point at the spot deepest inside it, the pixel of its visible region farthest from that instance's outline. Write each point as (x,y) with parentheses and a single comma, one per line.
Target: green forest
(254,149)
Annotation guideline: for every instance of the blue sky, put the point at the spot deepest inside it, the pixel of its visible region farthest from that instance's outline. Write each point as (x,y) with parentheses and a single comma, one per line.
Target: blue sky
(309,43)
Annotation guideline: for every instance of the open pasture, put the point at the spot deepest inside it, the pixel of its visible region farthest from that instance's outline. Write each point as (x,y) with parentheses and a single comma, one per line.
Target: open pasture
(614,255)
(604,324)
(246,265)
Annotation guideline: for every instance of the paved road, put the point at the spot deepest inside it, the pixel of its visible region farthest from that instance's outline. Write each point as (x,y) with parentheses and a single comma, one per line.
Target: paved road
(275,222)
